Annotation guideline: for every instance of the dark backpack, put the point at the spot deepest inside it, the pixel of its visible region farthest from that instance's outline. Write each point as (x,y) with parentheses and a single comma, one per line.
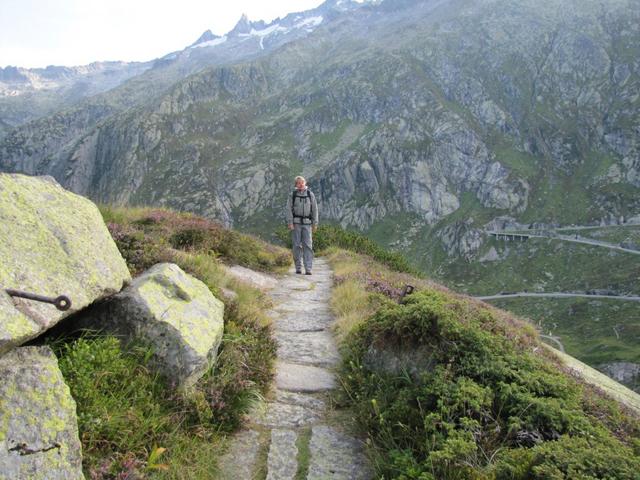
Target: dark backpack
(305,197)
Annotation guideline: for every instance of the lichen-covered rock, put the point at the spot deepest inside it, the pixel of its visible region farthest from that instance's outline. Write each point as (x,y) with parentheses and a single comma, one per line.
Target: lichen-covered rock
(52,242)
(173,312)
(38,426)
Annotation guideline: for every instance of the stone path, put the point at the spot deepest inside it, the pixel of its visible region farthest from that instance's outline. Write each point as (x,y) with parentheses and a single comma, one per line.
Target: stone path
(296,435)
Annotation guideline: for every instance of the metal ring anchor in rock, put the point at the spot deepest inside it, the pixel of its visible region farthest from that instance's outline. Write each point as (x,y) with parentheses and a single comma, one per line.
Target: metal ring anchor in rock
(61,302)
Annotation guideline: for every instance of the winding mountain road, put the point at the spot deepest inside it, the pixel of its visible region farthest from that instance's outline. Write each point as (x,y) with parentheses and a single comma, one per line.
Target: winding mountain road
(565,238)
(632,298)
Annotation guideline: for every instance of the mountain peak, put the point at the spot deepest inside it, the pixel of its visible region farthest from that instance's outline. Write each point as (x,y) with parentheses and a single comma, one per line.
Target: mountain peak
(205,37)
(243,25)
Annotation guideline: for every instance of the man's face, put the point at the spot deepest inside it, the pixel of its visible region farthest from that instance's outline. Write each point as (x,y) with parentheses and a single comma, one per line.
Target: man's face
(300,184)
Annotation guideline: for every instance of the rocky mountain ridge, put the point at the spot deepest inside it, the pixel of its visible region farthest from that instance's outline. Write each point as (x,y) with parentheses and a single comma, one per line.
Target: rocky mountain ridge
(391,110)
(29,94)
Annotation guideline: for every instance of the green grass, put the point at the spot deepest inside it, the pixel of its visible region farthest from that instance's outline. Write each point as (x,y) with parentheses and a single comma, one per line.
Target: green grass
(594,331)
(125,411)
(324,142)
(304,453)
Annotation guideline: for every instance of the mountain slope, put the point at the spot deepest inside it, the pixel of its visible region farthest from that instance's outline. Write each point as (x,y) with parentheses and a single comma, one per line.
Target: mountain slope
(415,105)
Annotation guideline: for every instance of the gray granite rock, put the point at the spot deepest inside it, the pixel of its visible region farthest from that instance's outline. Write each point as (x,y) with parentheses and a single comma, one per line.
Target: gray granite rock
(304,321)
(282,462)
(336,456)
(284,415)
(257,279)
(303,399)
(303,378)
(310,348)
(240,459)
(38,425)
(52,242)
(174,312)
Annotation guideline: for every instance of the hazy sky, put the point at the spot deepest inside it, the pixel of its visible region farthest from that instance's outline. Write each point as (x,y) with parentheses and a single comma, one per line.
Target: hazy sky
(37,33)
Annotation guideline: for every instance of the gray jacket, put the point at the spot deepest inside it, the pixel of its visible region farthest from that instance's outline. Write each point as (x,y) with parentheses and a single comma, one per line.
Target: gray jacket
(302,207)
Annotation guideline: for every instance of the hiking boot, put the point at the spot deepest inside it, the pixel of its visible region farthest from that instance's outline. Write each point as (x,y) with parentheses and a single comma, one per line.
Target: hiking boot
(298,272)
(308,272)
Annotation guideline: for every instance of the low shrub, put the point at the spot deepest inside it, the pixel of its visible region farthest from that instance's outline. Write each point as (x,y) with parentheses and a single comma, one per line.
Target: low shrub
(144,235)
(490,408)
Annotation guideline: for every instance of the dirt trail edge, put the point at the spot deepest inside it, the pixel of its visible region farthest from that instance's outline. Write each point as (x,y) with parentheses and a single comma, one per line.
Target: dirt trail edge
(296,435)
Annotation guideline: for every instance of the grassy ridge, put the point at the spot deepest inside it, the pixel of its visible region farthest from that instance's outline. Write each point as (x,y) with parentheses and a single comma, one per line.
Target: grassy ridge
(491,406)
(328,236)
(133,425)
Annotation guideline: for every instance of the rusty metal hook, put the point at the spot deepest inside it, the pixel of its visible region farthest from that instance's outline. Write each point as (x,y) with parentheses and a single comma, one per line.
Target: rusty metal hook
(61,302)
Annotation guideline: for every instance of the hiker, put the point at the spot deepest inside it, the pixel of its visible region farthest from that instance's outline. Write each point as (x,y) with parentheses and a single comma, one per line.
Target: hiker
(302,218)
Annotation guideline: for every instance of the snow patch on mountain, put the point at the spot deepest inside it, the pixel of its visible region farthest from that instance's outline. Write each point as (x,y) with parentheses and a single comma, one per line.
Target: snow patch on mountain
(310,23)
(211,43)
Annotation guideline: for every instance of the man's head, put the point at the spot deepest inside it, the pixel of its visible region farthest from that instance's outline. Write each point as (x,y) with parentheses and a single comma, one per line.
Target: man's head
(301,183)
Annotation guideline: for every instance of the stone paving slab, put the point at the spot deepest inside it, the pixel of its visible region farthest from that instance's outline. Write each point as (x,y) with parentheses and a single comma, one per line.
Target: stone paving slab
(303,378)
(307,348)
(285,415)
(336,456)
(282,462)
(239,461)
(306,353)
(303,399)
(297,305)
(305,322)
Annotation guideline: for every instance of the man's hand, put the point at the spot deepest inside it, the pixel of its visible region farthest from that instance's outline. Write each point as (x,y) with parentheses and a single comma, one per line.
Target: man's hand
(291,226)
(315,227)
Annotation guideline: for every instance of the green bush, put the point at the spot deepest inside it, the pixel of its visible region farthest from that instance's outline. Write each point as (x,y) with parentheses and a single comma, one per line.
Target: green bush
(488,409)
(331,236)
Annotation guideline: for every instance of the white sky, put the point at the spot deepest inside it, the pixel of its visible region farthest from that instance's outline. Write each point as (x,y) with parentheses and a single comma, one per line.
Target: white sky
(37,33)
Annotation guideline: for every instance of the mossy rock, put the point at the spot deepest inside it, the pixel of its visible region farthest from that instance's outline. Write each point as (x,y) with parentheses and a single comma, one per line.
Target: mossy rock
(52,242)
(38,425)
(173,312)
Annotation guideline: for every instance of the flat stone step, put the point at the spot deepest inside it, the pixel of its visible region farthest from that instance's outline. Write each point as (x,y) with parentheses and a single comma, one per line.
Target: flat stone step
(239,461)
(306,322)
(303,399)
(307,348)
(303,378)
(285,415)
(282,462)
(336,456)
(295,305)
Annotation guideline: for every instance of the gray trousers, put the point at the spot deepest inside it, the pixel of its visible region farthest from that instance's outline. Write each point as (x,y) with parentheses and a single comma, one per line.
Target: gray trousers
(302,246)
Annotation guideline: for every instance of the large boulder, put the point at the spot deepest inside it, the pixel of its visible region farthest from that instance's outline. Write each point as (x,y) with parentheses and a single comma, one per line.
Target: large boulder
(173,312)
(52,242)
(38,426)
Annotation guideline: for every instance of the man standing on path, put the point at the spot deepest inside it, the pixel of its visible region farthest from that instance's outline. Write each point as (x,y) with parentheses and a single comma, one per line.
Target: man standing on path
(302,218)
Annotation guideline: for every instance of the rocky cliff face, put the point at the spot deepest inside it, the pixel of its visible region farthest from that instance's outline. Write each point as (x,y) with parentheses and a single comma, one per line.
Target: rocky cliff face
(519,108)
